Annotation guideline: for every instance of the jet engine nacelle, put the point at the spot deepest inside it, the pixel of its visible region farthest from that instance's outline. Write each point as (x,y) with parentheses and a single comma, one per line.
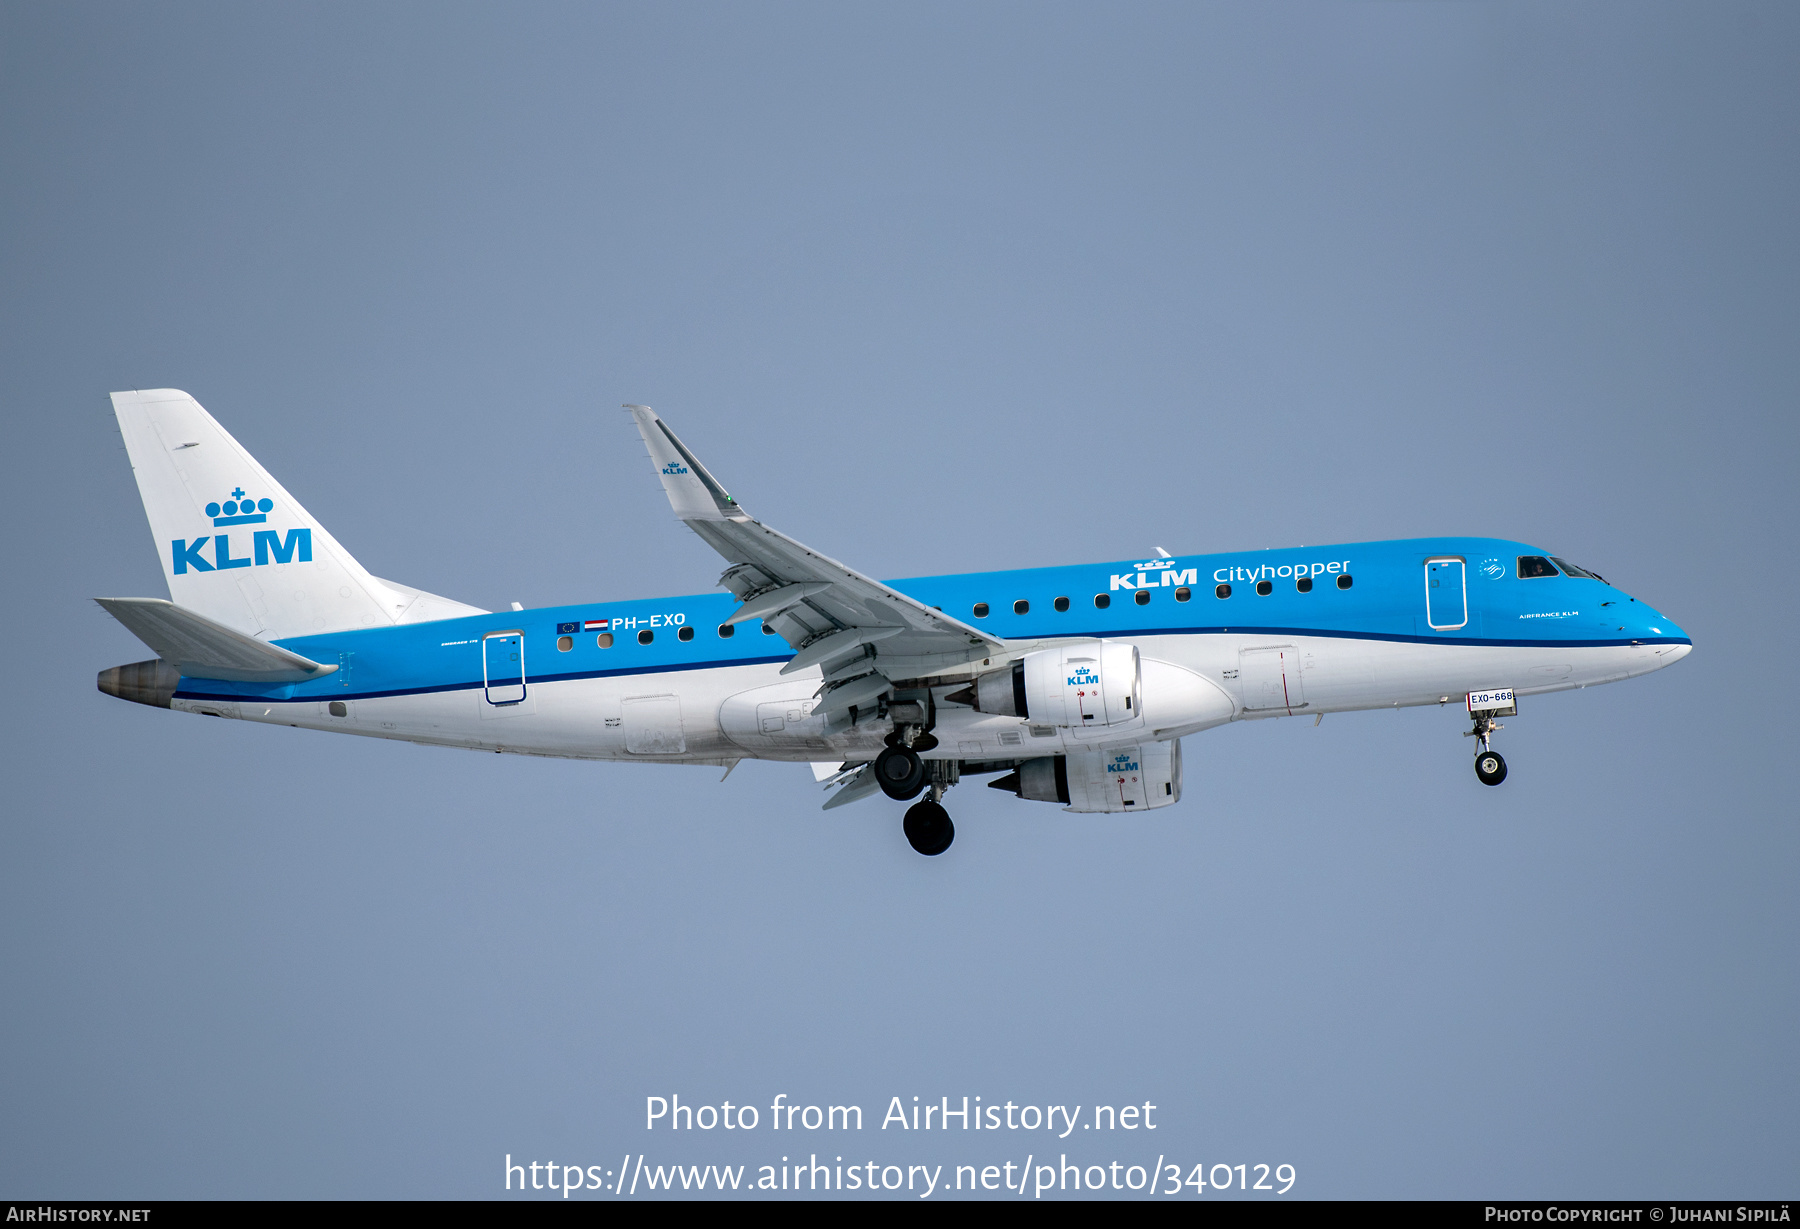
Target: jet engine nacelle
(1081,685)
(1138,778)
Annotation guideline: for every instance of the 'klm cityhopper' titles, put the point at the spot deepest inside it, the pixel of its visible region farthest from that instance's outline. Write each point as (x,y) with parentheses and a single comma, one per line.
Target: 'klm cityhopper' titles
(1269,571)
(1147,574)
(1158,573)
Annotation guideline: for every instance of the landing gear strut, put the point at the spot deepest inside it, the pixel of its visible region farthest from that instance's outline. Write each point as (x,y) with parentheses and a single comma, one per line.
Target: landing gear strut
(1490,766)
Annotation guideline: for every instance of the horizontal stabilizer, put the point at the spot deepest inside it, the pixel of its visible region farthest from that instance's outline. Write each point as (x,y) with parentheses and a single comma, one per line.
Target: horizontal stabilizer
(201,648)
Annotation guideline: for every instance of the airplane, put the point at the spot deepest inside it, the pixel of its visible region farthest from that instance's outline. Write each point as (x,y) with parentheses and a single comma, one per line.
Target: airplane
(1071,685)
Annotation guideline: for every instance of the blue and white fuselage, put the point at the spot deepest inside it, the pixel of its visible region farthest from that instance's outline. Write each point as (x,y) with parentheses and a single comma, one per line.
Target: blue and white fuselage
(1070,679)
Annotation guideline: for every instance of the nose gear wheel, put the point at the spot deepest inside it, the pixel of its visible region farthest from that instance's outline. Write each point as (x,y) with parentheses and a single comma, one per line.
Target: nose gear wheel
(1490,767)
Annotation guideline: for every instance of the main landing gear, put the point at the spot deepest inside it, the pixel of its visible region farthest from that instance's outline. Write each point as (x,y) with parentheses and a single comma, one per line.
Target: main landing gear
(1490,766)
(900,772)
(928,826)
(902,776)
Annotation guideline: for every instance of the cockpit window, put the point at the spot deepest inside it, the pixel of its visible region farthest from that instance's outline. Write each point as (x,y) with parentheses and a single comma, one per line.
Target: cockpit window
(1570,569)
(1534,565)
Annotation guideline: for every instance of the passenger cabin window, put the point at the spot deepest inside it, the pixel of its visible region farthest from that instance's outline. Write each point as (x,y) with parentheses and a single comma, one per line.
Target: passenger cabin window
(1021,606)
(768,629)
(604,640)
(1142,597)
(981,610)
(1344,581)
(1304,584)
(1222,591)
(1183,593)
(1061,604)
(1264,588)
(727,631)
(1102,601)
(1532,566)
(564,643)
(646,636)
(1570,569)
(686,633)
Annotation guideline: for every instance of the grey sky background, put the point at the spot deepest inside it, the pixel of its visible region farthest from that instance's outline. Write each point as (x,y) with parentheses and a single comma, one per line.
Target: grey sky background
(932,288)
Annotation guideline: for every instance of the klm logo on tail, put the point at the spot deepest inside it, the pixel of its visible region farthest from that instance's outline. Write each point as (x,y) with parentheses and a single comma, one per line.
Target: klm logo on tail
(267,545)
(240,511)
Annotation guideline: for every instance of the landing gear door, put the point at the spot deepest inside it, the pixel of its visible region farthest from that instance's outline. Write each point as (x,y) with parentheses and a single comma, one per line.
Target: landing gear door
(653,725)
(1446,595)
(503,667)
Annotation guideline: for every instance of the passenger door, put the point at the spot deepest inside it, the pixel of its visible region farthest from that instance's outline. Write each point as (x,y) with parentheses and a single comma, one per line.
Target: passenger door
(1446,595)
(503,667)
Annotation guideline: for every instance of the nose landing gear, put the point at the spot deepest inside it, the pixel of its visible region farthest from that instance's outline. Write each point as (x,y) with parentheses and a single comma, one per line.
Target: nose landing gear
(1490,766)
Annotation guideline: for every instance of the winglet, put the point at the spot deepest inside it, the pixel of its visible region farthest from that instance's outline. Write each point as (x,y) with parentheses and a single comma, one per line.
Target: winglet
(694,494)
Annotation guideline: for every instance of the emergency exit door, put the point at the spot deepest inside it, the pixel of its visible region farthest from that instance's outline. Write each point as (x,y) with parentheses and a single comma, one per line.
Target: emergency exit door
(503,667)
(1446,594)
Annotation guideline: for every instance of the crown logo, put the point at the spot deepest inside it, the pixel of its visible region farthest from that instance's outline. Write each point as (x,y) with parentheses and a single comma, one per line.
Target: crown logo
(240,510)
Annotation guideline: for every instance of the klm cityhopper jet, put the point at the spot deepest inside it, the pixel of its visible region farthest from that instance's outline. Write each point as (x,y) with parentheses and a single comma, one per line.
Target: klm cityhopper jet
(1072,685)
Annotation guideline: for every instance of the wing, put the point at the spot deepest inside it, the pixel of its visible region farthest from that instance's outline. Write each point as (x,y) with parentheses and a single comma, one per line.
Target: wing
(862,634)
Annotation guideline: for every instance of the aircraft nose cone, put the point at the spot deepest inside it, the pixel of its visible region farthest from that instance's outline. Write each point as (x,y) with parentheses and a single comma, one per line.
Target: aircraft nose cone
(1673,653)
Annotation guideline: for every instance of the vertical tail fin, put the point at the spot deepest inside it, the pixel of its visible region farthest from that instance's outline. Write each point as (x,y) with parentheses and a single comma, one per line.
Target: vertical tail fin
(235,546)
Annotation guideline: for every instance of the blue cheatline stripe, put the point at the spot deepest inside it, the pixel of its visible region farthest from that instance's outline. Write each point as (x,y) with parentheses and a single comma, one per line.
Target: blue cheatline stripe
(477,685)
(1448,638)
(184,693)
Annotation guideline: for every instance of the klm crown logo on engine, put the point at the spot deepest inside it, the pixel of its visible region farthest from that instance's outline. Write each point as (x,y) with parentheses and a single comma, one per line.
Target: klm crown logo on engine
(240,511)
(266,545)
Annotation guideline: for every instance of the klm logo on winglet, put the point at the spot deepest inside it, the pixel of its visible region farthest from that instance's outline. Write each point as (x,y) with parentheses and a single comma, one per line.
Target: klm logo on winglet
(266,546)
(674,467)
